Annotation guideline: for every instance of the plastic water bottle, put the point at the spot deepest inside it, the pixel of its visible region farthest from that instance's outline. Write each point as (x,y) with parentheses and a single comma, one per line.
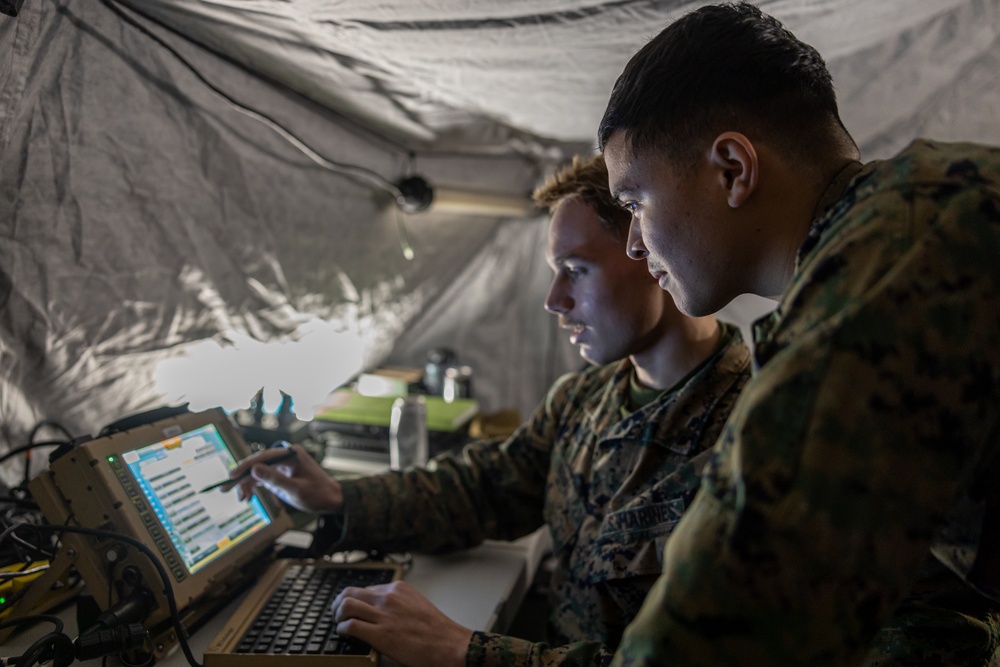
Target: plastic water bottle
(408,433)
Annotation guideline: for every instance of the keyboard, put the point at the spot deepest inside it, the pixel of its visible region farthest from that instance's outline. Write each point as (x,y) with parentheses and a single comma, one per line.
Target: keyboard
(297,618)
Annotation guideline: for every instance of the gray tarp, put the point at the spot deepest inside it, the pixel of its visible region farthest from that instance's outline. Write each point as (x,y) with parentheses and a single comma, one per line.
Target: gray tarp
(159,245)
(156,246)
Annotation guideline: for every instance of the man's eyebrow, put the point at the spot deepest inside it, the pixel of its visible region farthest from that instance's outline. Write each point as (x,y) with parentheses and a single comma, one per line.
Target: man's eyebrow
(623,190)
(567,257)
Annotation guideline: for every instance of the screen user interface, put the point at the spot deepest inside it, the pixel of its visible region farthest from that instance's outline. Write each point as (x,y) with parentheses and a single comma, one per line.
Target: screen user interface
(202,526)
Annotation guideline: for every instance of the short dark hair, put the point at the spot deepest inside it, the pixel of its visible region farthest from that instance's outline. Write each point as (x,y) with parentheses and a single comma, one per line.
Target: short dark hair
(725,67)
(587,179)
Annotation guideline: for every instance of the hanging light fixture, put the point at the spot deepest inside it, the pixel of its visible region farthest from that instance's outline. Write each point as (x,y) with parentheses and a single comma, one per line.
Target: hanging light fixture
(417,195)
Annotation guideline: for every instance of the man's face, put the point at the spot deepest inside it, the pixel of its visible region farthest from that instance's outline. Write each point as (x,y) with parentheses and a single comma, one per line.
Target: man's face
(676,226)
(609,303)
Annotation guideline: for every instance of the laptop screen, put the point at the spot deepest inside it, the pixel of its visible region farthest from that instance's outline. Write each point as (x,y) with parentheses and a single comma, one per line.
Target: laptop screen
(202,527)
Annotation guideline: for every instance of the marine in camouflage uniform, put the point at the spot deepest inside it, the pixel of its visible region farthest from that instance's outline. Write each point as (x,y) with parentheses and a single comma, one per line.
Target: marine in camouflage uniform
(610,483)
(851,513)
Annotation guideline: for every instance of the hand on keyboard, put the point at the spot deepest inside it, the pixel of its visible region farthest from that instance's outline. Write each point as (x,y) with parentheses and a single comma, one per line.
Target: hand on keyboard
(402,624)
(297,618)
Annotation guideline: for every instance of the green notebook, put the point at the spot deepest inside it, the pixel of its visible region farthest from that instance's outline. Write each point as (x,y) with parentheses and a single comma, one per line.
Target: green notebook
(348,406)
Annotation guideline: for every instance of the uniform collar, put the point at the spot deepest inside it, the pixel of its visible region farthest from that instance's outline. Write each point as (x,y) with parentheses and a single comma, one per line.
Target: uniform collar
(820,220)
(823,216)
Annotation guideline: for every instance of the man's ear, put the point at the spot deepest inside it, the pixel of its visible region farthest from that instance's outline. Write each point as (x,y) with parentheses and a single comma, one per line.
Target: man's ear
(735,158)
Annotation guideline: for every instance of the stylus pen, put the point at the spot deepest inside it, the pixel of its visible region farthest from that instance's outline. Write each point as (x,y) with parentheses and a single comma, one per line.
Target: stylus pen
(290,454)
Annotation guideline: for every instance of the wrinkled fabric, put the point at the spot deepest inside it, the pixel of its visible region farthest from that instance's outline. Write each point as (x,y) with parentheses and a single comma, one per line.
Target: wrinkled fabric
(850,515)
(457,73)
(610,488)
(158,246)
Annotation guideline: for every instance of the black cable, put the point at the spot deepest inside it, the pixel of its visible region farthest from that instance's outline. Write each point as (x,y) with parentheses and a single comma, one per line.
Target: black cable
(44,648)
(19,542)
(111,578)
(34,618)
(10,453)
(32,445)
(51,424)
(36,650)
(19,507)
(45,423)
(26,503)
(37,548)
(338,167)
(164,577)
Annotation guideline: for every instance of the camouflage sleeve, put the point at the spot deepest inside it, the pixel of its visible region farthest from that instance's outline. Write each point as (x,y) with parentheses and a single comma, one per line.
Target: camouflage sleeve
(493,490)
(844,454)
(487,649)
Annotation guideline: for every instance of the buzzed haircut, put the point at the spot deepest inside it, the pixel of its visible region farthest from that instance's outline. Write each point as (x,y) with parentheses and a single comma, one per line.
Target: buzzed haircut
(586,179)
(725,67)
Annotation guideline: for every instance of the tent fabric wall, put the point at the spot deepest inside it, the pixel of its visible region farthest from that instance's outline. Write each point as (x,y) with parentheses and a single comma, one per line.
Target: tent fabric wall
(939,77)
(505,327)
(441,71)
(158,246)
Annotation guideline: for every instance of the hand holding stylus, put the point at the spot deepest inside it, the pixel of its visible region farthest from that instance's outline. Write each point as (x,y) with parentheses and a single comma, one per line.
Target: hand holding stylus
(228,484)
(298,481)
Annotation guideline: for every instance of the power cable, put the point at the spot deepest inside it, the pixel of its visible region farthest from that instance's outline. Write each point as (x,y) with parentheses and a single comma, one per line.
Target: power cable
(10,453)
(45,423)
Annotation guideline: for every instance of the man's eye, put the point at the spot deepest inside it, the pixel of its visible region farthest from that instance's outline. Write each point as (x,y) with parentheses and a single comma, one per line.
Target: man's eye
(573,271)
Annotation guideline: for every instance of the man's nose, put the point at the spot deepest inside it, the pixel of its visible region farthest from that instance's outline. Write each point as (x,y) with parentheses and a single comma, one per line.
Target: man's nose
(557,301)
(635,248)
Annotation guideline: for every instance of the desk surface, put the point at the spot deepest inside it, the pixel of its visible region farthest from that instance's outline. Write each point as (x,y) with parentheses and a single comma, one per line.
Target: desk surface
(481,589)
